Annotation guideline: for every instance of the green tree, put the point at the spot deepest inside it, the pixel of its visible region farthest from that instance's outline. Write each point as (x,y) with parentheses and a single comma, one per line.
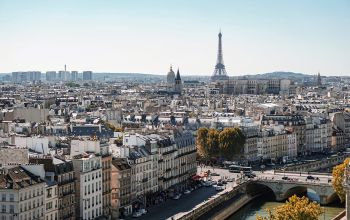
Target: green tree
(295,208)
(201,143)
(338,179)
(232,141)
(213,143)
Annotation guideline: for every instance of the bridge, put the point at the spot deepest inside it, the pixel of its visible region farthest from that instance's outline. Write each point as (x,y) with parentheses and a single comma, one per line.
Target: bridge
(297,183)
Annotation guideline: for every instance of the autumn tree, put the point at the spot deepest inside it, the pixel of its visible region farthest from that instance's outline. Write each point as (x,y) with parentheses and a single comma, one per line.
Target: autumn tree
(201,143)
(338,179)
(232,141)
(295,208)
(213,142)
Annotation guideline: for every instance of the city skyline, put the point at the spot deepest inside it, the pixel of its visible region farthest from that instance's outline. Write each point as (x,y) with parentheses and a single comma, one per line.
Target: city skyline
(147,37)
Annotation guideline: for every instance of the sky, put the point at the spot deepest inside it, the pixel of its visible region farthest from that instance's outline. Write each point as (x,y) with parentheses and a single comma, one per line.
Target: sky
(259,36)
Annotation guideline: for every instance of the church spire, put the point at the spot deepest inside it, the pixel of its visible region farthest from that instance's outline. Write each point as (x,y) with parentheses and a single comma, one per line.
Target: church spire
(178,77)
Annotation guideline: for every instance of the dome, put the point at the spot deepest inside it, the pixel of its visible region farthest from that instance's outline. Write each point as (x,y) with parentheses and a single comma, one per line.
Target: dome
(170,76)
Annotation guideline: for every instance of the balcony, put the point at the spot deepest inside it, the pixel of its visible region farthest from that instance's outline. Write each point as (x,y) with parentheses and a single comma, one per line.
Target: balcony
(66,182)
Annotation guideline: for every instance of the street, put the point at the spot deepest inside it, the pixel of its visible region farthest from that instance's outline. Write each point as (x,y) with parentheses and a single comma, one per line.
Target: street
(187,202)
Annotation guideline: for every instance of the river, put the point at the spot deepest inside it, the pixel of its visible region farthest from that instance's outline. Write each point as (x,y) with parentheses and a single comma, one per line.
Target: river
(259,206)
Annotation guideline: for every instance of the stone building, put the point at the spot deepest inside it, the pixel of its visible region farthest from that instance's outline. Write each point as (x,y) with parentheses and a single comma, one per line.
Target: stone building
(88,174)
(22,195)
(122,196)
(62,173)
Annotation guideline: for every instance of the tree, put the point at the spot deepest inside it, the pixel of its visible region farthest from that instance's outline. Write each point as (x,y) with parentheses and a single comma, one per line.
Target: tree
(213,142)
(201,142)
(338,179)
(295,208)
(232,141)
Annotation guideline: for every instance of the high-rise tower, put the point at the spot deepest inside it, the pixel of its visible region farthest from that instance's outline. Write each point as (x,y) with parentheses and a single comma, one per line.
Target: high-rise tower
(219,72)
(319,80)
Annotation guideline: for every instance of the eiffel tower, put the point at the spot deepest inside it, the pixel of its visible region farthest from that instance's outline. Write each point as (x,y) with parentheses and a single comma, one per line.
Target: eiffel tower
(219,72)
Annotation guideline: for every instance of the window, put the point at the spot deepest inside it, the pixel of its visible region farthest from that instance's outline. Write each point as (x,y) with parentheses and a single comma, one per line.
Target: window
(48,205)
(49,193)
(3,208)
(12,209)
(3,197)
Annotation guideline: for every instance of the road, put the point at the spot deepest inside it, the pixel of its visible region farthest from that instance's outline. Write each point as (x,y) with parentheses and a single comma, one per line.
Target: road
(323,179)
(187,202)
(184,204)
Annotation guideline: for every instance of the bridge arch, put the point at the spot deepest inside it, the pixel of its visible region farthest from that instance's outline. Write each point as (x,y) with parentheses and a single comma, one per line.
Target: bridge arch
(301,190)
(282,190)
(254,189)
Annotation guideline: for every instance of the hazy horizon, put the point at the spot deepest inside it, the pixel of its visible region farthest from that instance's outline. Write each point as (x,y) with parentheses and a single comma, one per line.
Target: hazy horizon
(149,36)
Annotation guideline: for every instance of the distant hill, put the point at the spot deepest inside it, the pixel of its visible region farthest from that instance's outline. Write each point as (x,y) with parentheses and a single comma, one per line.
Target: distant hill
(279,75)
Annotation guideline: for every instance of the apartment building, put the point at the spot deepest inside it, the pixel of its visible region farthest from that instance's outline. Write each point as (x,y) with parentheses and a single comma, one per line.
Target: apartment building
(276,144)
(186,157)
(51,201)
(122,195)
(61,173)
(88,174)
(21,195)
(106,178)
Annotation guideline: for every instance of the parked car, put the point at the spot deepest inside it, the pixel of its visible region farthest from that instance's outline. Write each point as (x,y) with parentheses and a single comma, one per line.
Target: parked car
(187,191)
(177,197)
(219,188)
(207,183)
(285,178)
(215,174)
(310,177)
(143,211)
(230,180)
(136,214)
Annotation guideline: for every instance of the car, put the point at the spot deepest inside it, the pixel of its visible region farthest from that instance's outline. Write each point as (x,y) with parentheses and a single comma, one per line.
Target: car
(215,174)
(143,211)
(230,180)
(187,191)
(207,183)
(177,197)
(219,188)
(285,178)
(310,177)
(136,214)
(250,175)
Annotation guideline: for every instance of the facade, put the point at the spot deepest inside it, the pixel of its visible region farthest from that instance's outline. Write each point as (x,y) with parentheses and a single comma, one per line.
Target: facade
(341,120)
(60,179)
(51,76)
(18,77)
(87,75)
(74,76)
(277,144)
(254,87)
(122,196)
(106,179)
(186,157)
(51,201)
(22,195)
(296,123)
(88,174)
(144,176)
